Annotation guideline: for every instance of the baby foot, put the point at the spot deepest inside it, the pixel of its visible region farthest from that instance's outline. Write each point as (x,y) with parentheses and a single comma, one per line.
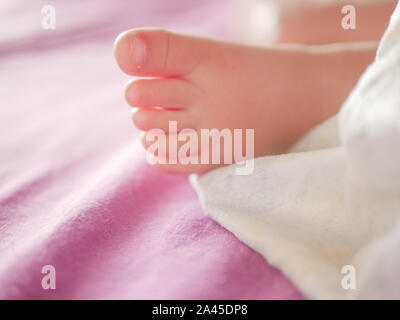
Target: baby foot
(207,84)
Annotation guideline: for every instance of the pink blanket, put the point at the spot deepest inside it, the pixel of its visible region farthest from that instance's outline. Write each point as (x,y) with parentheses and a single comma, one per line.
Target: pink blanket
(75,189)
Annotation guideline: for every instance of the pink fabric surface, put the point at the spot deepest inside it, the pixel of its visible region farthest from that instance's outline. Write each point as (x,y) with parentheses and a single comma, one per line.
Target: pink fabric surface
(75,189)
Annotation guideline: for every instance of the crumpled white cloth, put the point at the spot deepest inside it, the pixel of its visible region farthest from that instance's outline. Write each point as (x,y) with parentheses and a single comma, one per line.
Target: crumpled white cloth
(333,202)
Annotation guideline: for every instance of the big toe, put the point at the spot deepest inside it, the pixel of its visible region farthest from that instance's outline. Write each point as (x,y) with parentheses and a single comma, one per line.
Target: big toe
(155,52)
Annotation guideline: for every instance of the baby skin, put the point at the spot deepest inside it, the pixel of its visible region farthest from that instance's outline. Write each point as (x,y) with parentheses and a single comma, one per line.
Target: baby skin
(281,91)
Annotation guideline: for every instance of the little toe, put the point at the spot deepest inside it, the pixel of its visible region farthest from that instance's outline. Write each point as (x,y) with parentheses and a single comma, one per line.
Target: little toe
(166,120)
(184,159)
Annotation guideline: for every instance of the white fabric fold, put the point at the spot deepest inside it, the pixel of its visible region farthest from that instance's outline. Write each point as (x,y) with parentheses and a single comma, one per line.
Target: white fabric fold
(334,201)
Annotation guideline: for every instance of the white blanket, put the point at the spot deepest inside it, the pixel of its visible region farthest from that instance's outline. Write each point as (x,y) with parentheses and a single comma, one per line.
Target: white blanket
(327,214)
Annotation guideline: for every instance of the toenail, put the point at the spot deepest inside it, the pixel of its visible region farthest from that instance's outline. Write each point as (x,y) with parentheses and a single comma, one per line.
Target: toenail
(137,117)
(131,95)
(138,51)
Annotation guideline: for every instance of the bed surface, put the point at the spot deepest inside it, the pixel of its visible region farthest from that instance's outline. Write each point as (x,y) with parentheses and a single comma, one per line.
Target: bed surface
(75,189)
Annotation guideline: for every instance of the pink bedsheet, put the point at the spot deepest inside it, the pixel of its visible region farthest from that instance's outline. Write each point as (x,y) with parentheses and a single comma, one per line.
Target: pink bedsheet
(75,189)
